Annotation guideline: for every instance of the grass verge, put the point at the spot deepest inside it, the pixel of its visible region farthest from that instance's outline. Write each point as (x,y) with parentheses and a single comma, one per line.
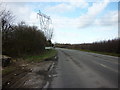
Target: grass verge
(27,59)
(104,53)
(41,57)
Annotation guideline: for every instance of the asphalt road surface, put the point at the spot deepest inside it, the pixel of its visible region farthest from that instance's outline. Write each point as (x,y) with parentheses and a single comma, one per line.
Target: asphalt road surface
(78,69)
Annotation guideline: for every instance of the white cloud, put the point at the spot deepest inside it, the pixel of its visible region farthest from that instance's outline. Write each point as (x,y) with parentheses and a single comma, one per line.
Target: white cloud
(89,18)
(82,21)
(66,7)
(109,19)
(27,14)
(23,12)
(68,24)
(80,4)
(55,0)
(63,22)
(59,8)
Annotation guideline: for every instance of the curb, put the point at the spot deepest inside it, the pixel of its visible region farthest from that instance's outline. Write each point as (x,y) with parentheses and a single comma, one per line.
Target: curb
(54,58)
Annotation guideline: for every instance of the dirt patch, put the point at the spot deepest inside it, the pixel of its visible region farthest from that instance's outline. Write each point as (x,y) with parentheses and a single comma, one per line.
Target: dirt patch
(26,75)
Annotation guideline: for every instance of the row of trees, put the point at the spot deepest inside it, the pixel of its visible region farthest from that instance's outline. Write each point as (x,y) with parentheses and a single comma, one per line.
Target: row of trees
(20,39)
(102,46)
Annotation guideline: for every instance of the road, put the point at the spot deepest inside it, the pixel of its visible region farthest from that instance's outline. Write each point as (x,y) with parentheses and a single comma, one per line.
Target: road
(79,69)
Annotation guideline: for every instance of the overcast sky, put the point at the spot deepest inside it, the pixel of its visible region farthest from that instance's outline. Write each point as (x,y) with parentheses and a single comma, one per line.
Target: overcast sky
(73,22)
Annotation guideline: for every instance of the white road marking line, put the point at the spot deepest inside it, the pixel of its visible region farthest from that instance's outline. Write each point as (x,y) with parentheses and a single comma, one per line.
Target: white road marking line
(109,68)
(103,65)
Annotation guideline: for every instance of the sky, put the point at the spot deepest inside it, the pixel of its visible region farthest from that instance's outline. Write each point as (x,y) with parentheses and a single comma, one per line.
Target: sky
(73,22)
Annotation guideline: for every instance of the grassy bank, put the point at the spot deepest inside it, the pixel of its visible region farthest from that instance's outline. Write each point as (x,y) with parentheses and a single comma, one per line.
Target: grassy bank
(28,59)
(104,53)
(41,57)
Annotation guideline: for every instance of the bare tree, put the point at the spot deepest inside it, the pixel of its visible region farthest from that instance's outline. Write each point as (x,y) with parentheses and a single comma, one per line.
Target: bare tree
(6,21)
(6,24)
(2,9)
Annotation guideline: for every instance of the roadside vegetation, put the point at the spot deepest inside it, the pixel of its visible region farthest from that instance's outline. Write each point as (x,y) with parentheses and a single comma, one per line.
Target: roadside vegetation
(28,59)
(40,57)
(104,53)
(109,47)
(19,40)
(22,42)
